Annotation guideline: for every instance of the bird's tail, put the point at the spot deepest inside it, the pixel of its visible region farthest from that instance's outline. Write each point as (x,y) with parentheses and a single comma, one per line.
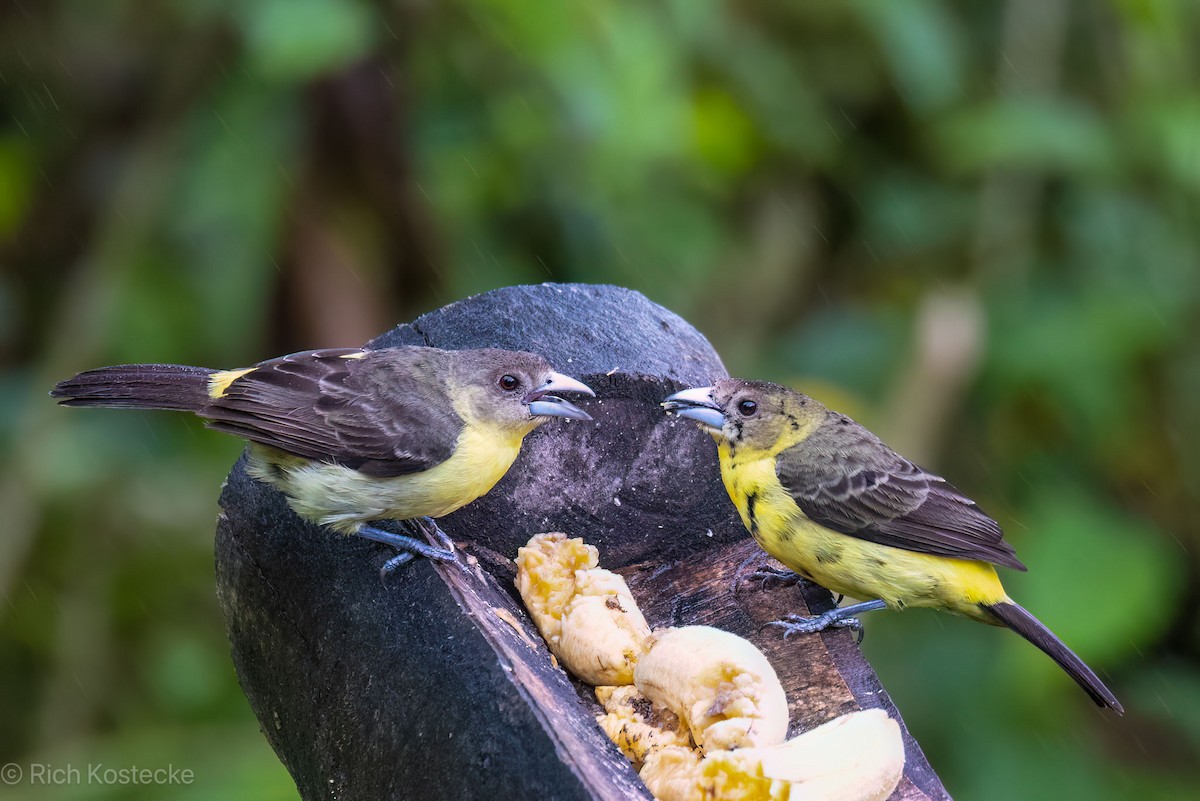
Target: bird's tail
(138,386)
(1029,627)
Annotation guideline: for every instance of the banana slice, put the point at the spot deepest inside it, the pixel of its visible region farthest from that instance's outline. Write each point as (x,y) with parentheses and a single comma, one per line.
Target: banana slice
(673,774)
(856,757)
(637,726)
(586,615)
(718,683)
(546,568)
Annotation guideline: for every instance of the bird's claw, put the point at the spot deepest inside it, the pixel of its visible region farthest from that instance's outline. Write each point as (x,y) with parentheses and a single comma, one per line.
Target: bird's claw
(798,624)
(785,577)
(404,557)
(395,563)
(442,537)
(764,574)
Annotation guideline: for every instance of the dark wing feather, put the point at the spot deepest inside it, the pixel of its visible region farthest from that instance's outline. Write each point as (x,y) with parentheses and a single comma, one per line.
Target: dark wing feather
(846,479)
(385,414)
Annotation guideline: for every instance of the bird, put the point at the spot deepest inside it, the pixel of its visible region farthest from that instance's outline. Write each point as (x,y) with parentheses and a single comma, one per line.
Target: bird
(835,505)
(352,436)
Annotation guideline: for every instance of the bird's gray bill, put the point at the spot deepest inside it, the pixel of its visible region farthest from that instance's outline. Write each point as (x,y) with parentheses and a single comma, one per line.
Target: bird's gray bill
(544,404)
(697,404)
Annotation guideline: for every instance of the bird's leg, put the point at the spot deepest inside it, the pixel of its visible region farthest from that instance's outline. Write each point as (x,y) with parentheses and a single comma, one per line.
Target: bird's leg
(408,547)
(764,574)
(838,617)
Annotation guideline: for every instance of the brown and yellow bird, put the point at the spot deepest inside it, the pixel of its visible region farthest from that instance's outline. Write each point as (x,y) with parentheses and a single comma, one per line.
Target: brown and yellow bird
(352,436)
(837,506)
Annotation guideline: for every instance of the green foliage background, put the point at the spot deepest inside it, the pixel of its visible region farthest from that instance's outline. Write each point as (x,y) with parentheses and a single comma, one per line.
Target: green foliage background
(973,226)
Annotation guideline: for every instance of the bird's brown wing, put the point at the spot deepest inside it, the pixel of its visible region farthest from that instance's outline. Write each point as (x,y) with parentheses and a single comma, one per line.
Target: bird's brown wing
(384,413)
(846,479)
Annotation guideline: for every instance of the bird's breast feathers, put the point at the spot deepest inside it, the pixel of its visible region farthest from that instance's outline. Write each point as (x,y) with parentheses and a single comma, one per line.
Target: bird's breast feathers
(344,499)
(843,564)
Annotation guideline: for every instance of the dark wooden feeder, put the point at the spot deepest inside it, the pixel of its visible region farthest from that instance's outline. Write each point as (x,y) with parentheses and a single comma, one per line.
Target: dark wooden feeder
(435,684)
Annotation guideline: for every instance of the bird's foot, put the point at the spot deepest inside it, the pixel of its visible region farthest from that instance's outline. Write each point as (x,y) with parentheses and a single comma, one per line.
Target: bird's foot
(840,617)
(798,624)
(395,563)
(768,574)
(765,574)
(409,547)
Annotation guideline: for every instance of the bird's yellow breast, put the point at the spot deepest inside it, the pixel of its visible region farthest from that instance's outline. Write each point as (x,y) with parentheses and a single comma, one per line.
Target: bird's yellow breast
(343,498)
(844,564)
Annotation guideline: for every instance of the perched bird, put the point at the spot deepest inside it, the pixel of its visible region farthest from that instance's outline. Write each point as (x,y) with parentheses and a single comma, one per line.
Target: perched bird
(351,436)
(837,506)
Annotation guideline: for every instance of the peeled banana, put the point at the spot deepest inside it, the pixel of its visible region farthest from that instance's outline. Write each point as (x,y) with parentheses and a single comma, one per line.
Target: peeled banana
(718,683)
(856,757)
(698,711)
(637,726)
(586,614)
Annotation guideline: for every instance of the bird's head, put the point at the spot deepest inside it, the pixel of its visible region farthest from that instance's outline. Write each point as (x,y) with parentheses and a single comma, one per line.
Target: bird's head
(514,390)
(751,415)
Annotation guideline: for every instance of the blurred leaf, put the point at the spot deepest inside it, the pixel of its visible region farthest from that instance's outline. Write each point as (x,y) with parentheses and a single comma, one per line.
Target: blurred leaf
(850,347)
(16,181)
(1169,133)
(1171,695)
(290,40)
(908,214)
(724,133)
(1099,578)
(227,210)
(921,44)
(185,673)
(1076,351)
(1056,136)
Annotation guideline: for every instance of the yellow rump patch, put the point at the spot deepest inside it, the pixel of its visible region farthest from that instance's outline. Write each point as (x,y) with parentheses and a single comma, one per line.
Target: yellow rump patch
(218,383)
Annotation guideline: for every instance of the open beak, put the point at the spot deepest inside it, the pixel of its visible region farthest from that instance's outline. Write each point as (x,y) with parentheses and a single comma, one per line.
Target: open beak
(697,404)
(542,403)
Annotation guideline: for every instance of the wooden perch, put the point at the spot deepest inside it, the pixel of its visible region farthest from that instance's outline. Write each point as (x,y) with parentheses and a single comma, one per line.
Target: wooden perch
(435,684)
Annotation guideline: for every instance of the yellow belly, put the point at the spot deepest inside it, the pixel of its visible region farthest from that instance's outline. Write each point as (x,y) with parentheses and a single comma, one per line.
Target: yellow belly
(847,565)
(344,499)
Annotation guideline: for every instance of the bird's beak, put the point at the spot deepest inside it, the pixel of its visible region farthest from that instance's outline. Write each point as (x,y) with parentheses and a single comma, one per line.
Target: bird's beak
(544,404)
(697,404)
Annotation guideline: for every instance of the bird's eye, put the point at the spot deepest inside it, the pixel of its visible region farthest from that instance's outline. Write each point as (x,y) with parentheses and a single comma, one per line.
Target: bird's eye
(508,382)
(748,408)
